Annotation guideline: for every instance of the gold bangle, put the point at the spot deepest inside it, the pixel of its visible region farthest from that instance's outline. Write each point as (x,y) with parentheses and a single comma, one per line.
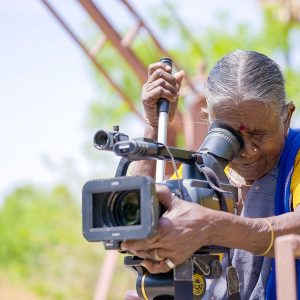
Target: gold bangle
(272,239)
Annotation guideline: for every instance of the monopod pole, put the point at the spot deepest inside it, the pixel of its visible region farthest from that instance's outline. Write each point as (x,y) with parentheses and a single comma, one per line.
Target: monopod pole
(163,119)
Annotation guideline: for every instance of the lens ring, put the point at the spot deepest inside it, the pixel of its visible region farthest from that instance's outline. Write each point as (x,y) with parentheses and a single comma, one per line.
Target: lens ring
(228,136)
(125,208)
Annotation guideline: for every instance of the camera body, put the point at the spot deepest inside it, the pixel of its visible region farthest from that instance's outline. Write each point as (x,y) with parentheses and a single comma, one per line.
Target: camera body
(126,207)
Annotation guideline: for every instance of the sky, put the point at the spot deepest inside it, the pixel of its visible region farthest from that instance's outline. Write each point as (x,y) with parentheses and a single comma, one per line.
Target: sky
(46,84)
(45,88)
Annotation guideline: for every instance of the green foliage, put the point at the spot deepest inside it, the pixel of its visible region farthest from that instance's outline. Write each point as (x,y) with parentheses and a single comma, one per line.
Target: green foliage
(275,32)
(42,246)
(292,85)
(218,43)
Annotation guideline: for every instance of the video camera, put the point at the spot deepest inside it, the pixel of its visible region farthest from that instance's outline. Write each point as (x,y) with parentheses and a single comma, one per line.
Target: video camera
(126,207)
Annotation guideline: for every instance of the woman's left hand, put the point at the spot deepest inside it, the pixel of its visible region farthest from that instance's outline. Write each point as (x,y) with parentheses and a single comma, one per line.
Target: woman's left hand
(183,229)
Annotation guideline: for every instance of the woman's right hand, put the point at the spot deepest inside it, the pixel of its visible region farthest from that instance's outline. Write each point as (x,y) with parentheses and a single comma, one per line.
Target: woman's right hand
(160,84)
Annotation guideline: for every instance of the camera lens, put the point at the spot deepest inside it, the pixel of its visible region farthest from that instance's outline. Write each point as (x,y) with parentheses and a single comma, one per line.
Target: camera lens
(126,208)
(101,139)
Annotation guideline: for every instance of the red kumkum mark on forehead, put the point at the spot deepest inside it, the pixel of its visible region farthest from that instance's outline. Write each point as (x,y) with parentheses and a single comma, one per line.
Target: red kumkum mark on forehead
(242,128)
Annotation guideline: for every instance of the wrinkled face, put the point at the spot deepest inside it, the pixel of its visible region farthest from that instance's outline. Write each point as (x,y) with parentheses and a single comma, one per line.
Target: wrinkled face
(263,132)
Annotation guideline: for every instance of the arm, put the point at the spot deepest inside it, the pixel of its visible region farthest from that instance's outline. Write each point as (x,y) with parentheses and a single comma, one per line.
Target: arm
(160,84)
(146,167)
(185,227)
(252,234)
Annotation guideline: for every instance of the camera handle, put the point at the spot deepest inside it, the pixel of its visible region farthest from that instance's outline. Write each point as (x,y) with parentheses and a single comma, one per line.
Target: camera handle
(163,119)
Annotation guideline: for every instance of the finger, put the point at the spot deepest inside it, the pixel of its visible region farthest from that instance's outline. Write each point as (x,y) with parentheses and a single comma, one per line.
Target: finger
(178,256)
(155,267)
(139,245)
(161,92)
(142,254)
(161,73)
(159,65)
(156,254)
(161,252)
(179,77)
(153,254)
(163,83)
(164,195)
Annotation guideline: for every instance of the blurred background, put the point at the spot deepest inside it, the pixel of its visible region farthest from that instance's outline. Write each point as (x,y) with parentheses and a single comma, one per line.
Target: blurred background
(71,67)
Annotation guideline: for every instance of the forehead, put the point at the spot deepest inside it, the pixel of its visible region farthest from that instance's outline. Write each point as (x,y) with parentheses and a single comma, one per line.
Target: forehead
(249,114)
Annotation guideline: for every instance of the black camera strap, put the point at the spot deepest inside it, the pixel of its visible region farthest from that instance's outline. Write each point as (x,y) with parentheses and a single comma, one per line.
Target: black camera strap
(232,279)
(214,183)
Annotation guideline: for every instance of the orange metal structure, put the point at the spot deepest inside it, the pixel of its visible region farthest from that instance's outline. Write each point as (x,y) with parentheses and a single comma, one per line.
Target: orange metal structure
(193,131)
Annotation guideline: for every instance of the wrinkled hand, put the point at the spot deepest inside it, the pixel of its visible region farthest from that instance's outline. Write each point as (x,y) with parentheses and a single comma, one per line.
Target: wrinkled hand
(183,229)
(160,84)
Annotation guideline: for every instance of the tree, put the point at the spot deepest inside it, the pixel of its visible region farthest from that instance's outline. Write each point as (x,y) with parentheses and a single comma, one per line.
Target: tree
(42,246)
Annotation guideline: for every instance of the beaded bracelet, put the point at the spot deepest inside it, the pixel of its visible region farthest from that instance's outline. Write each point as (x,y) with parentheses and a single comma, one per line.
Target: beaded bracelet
(272,239)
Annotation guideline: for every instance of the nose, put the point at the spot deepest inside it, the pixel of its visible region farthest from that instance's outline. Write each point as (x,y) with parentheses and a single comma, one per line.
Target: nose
(249,148)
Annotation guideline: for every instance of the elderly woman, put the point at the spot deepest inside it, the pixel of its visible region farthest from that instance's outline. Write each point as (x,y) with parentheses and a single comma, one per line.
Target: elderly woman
(246,91)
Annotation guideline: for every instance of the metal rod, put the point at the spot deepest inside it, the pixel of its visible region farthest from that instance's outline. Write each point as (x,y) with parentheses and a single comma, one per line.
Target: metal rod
(115,38)
(161,138)
(126,99)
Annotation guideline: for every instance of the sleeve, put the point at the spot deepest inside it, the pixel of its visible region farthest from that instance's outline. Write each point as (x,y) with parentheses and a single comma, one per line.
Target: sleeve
(295,182)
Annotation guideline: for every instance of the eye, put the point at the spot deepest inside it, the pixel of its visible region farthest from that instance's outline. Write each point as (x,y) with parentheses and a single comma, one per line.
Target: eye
(258,136)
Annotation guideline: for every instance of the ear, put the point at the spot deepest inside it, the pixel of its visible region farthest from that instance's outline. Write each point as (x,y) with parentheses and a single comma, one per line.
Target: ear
(290,110)
(204,113)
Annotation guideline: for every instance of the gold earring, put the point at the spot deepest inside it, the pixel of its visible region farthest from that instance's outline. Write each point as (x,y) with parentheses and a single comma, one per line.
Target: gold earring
(292,106)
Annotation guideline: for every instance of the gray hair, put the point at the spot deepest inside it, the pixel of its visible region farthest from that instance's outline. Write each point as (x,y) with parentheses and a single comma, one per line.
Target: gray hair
(246,75)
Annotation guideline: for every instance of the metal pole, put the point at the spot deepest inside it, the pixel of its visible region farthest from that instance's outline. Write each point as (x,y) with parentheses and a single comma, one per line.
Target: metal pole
(163,120)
